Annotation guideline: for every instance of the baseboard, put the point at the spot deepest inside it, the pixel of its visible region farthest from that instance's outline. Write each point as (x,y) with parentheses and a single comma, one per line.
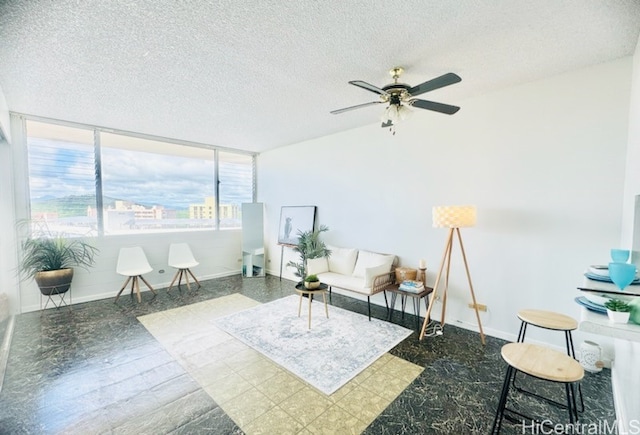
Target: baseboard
(4,348)
(112,294)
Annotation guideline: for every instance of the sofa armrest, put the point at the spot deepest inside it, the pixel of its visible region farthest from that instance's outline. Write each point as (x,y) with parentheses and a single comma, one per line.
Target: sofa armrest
(381,282)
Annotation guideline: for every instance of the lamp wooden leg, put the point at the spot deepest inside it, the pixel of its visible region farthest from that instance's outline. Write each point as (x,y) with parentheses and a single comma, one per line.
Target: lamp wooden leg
(473,295)
(446,284)
(434,294)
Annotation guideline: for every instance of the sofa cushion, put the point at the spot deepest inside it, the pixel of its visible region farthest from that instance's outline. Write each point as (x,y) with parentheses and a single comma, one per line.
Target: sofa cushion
(368,259)
(347,282)
(371,272)
(317,265)
(342,260)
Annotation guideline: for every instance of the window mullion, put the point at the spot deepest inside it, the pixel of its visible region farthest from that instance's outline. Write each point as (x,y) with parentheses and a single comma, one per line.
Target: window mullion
(98,175)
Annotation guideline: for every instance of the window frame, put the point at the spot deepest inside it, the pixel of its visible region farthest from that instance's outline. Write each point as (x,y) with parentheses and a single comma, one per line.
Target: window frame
(97,130)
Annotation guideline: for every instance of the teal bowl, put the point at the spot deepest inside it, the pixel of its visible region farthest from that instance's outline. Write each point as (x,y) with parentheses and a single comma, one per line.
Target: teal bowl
(622,274)
(620,255)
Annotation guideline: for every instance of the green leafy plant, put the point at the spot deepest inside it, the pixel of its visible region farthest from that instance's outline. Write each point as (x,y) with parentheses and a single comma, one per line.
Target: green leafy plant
(309,246)
(312,278)
(618,305)
(45,251)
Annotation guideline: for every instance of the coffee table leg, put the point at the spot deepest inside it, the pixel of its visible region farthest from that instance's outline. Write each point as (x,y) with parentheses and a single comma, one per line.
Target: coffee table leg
(326,310)
(310,299)
(300,305)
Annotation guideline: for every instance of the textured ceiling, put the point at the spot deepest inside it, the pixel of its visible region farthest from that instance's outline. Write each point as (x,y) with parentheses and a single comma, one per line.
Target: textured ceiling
(259,74)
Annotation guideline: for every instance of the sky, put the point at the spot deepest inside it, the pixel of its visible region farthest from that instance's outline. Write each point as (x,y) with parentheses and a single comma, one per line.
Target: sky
(58,169)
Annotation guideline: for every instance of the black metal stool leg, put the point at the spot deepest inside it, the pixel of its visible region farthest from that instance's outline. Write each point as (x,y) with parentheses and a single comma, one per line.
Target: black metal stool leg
(502,403)
(521,334)
(572,353)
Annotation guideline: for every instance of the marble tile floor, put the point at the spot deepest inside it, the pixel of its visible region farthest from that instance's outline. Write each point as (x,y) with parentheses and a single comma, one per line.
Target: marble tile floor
(260,396)
(96,369)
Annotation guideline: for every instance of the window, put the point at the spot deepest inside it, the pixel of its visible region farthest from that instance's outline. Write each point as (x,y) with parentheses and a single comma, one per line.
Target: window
(149,185)
(123,184)
(62,178)
(236,187)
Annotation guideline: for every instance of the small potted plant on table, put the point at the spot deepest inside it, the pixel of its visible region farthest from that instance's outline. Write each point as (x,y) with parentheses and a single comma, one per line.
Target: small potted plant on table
(311,282)
(618,311)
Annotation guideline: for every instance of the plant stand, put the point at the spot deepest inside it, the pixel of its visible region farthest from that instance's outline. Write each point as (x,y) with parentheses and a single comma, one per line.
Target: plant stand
(53,291)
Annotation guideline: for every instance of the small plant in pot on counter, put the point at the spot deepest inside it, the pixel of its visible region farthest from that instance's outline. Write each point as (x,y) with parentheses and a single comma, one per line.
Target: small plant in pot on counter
(618,311)
(312,281)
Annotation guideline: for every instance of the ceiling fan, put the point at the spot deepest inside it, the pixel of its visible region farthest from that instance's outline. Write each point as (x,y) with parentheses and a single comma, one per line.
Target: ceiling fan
(401,95)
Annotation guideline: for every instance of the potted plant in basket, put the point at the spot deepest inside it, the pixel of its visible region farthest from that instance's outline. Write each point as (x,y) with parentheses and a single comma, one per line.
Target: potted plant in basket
(618,311)
(309,246)
(50,258)
(311,282)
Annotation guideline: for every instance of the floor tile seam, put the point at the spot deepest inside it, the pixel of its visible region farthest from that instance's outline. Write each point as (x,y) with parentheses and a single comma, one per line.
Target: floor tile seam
(124,423)
(146,390)
(335,405)
(102,386)
(341,403)
(245,407)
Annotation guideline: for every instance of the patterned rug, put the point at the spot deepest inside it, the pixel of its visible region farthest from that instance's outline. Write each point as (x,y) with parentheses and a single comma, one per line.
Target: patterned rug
(326,356)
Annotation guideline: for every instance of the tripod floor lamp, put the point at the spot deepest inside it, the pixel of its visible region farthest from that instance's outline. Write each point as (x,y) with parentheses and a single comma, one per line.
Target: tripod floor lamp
(454,218)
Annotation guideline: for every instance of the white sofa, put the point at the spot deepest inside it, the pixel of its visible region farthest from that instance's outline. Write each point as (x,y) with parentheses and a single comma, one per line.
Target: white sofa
(359,271)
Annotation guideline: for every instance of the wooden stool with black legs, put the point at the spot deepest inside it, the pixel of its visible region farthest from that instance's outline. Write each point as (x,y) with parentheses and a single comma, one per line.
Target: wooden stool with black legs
(554,322)
(542,363)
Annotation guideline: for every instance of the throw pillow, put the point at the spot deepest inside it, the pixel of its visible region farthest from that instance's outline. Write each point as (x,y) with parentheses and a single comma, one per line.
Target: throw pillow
(371,272)
(317,265)
(342,260)
(371,259)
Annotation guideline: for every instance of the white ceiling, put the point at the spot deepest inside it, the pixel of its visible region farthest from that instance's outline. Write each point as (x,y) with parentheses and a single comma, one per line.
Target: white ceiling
(258,74)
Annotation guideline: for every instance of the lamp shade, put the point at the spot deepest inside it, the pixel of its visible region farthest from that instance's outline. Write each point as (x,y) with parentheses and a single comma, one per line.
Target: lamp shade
(454,216)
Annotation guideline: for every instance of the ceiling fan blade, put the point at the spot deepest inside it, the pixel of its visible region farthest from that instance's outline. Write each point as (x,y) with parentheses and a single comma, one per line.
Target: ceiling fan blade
(346,109)
(388,123)
(437,107)
(439,82)
(368,87)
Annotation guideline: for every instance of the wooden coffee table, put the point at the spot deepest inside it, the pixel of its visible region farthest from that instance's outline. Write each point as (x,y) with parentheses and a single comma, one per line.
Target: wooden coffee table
(310,293)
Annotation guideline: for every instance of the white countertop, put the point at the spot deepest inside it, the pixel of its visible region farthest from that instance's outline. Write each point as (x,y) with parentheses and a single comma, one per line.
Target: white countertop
(597,323)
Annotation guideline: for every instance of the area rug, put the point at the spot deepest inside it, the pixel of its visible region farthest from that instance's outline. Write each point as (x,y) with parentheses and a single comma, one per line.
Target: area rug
(326,356)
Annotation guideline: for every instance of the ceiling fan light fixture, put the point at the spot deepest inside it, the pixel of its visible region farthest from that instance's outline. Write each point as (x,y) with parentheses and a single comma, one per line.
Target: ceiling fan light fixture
(396,113)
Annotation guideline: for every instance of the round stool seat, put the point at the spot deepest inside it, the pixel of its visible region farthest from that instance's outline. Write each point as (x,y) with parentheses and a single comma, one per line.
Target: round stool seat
(542,362)
(548,320)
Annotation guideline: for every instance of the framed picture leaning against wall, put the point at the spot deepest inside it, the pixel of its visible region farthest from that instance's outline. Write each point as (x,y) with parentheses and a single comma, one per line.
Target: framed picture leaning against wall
(295,219)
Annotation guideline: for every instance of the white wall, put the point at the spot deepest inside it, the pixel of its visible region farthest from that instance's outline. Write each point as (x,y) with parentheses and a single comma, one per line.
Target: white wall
(632,179)
(5,131)
(543,162)
(8,254)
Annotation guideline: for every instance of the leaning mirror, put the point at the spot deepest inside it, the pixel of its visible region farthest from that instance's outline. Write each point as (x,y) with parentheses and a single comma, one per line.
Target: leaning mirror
(252,239)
